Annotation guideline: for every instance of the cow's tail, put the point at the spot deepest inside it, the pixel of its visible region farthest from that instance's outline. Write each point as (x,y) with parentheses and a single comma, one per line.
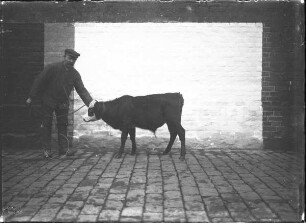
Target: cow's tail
(181,102)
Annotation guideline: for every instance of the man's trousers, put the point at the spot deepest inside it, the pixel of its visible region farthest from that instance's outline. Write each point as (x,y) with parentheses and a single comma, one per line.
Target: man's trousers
(61,113)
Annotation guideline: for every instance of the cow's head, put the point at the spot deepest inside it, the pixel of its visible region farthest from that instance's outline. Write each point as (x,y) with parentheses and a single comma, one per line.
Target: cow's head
(91,114)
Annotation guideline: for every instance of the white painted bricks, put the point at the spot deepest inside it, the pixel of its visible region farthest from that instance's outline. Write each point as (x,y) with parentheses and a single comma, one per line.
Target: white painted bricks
(216,66)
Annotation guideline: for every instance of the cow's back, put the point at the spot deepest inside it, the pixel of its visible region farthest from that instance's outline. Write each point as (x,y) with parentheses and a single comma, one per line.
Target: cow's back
(152,111)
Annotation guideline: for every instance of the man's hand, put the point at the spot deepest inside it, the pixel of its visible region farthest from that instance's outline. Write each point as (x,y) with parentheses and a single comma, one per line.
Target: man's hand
(28,102)
(92,104)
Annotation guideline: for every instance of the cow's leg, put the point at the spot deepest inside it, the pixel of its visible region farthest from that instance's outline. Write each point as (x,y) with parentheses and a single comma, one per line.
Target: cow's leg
(132,133)
(124,135)
(181,133)
(173,134)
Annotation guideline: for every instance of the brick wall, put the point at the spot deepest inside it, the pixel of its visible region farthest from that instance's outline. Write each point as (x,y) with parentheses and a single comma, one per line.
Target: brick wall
(58,37)
(278,79)
(282,48)
(216,66)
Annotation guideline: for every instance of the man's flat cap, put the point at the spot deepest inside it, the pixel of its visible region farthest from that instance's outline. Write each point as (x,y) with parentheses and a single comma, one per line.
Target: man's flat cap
(72,53)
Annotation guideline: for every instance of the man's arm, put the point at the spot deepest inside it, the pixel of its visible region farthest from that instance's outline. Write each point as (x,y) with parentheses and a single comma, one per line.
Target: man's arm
(81,90)
(40,82)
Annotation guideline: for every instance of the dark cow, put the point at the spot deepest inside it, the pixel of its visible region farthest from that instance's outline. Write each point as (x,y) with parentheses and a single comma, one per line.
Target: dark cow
(146,112)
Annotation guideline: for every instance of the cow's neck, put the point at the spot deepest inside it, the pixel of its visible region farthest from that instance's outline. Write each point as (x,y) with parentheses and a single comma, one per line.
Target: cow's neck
(103,109)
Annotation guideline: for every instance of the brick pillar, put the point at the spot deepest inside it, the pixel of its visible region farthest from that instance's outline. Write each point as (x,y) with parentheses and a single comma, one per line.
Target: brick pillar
(58,37)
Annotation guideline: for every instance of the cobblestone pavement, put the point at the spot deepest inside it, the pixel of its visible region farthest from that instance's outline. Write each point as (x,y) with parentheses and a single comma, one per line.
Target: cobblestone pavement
(209,186)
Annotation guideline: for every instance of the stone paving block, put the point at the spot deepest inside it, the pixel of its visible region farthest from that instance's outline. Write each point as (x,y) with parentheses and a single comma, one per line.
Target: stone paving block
(173,203)
(153,180)
(29,191)
(105,174)
(45,218)
(12,207)
(212,172)
(18,219)
(153,207)
(194,206)
(95,200)
(249,196)
(192,198)
(188,190)
(45,214)
(284,209)
(207,192)
(242,216)
(243,188)
(172,194)
(154,189)
(137,186)
(225,189)
(132,212)
(67,215)
(87,182)
(50,206)
(79,196)
(139,179)
(58,198)
(69,185)
(65,190)
(139,173)
(119,189)
(83,188)
(74,180)
(117,197)
(231,197)
(98,191)
(236,207)
(135,198)
(74,204)
(113,205)
(217,211)
(109,215)
(90,209)
(171,187)
(174,214)
(221,220)
(130,219)
(87,218)
(274,199)
(152,217)
(28,210)
(261,210)
(36,201)
(106,180)
(213,201)
(21,198)
(154,198)
(290,217)
(197,216)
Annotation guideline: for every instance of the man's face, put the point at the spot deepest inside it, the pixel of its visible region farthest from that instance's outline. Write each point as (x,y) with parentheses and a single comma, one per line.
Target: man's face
(69,60)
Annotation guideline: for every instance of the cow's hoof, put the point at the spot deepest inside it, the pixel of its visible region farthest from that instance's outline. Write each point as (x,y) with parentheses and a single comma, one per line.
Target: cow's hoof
(182,158)
(118,156)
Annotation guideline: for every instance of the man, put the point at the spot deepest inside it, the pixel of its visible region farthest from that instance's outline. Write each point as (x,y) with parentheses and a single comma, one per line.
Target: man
(53,86)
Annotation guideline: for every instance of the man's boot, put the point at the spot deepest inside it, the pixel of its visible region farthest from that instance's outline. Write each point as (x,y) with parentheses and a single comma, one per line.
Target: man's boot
(47,154)
(64,145)
(46,140)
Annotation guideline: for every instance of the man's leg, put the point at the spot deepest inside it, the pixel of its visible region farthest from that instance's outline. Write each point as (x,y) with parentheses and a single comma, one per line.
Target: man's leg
(46,126)
(62,125)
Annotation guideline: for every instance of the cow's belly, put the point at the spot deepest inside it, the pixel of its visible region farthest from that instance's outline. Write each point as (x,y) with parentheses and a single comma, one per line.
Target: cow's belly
(150,121)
